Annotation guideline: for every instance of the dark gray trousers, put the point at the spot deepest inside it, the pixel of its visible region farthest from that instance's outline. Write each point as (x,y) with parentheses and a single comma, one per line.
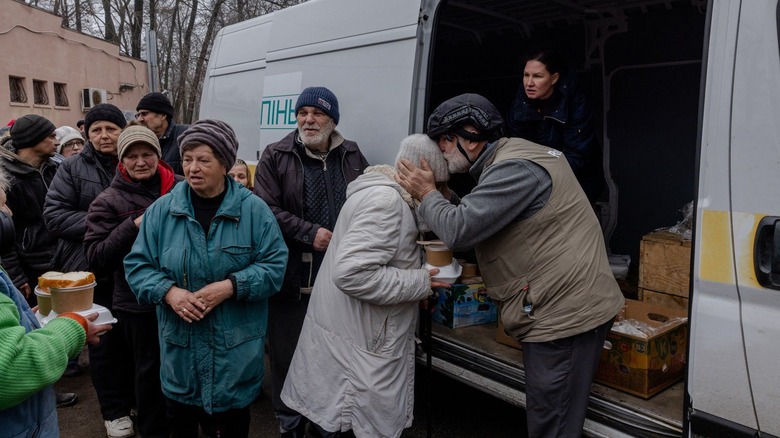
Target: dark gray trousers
(558,377)
(285,321)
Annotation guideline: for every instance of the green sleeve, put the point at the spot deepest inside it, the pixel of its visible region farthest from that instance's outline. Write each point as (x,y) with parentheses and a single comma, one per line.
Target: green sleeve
(32,361)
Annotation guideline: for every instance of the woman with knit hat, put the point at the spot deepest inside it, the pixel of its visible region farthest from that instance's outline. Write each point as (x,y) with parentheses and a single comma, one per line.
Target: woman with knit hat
(353,368)
(70,141)
(78,181)
(113,222)
(208,256)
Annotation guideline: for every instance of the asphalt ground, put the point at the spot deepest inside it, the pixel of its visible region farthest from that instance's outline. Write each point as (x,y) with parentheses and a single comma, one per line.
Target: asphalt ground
(458,411)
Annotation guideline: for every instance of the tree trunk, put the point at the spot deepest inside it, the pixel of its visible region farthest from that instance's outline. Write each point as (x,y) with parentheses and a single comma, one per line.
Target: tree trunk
(77,9)
(184,65)
(241,7)
(202,61)
(166,52)
(153,14)
(136,24)
(110,30)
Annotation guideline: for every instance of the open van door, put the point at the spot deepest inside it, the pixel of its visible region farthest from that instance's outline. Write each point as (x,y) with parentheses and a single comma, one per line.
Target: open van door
(733,380)
(348,46)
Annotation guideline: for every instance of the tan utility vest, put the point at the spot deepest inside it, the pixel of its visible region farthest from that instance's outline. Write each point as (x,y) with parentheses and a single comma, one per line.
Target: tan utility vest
(549,272)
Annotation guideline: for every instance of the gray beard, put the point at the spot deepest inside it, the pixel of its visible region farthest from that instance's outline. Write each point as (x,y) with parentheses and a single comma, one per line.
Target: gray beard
(321,138)
(456,162)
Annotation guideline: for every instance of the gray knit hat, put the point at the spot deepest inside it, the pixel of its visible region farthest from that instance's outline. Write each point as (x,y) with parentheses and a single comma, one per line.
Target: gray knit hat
(217,134)
(66,134)
(104,112)
(322,98)
(137,134)
(30,130)
(417,146)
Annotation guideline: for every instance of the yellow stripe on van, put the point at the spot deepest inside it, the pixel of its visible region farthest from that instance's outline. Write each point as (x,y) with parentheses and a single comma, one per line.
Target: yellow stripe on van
(717,257)
(715,262)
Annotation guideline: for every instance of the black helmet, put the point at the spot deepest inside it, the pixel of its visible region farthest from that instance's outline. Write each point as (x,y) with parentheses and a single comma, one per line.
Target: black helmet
(467,108)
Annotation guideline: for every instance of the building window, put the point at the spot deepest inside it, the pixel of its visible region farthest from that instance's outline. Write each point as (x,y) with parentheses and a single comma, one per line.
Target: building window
(18,94)
(60,94)
(39,92)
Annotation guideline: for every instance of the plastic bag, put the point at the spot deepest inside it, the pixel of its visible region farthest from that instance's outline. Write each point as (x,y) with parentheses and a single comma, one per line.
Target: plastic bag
(683,228)
(641,329)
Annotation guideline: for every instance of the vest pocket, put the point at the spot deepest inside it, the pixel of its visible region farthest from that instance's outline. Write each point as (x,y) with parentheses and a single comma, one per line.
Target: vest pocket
(517,305)
(508,290)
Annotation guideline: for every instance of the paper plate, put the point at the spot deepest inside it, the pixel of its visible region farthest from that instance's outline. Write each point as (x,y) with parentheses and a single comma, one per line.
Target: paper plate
(104,315)
(447,274)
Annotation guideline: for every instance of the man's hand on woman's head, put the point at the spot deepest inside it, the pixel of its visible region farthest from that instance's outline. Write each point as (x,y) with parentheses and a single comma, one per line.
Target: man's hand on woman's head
(418,181)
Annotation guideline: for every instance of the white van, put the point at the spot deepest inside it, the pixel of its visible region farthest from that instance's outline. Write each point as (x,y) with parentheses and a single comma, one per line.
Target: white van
(687,94)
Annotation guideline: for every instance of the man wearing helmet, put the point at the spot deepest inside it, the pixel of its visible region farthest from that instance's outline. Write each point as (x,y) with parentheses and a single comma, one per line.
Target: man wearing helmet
(540,250)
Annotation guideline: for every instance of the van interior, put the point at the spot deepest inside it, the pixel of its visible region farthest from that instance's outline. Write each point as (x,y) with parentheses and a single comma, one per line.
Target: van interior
(641,62)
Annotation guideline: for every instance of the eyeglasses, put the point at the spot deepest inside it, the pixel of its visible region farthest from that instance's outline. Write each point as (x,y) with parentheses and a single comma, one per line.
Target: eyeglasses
(73,144)
(448,137)
(143,113)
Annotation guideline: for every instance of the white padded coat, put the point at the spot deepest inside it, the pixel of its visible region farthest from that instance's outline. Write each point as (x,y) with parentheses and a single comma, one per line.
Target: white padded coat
(353,367)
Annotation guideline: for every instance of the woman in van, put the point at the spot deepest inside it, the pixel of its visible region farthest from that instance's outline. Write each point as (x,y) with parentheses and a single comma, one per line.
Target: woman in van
(552,109)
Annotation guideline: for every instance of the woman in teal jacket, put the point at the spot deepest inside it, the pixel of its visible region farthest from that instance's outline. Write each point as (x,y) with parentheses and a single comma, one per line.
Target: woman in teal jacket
(209,255)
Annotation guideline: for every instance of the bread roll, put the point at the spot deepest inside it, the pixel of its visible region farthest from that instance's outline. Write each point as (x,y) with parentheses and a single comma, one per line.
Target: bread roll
(62,280)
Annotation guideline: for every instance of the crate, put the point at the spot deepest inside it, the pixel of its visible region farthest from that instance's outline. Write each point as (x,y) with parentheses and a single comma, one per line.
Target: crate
(664,268)
(463,305)
(645,366)
(664,299)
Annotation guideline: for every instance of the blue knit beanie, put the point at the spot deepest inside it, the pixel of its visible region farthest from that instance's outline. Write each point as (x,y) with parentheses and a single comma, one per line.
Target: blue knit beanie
(322,98)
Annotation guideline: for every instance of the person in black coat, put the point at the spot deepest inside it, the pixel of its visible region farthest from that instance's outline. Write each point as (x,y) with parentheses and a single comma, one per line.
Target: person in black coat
(155,111)
(78,181)
(113,222)
(552,109)
(26,156)
(303,178)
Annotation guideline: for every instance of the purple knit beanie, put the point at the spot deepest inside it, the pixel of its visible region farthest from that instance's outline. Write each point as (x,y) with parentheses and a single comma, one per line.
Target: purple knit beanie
(215,133)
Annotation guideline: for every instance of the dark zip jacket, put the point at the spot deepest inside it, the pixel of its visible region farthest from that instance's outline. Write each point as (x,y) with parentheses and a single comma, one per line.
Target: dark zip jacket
(78,181)
(564,122)
(34,245)
(279,181)
(169,143)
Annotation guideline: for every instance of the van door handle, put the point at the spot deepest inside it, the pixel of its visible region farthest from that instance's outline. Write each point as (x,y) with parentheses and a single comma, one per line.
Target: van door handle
(766,257)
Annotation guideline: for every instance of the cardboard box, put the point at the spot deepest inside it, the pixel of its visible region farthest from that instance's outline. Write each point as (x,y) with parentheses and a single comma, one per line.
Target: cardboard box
(503,338)
(664,264)
(645,366)
(664,299)
(463,305)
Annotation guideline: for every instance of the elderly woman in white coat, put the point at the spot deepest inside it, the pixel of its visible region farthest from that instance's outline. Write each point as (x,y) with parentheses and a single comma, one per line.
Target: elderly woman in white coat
(353,368)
